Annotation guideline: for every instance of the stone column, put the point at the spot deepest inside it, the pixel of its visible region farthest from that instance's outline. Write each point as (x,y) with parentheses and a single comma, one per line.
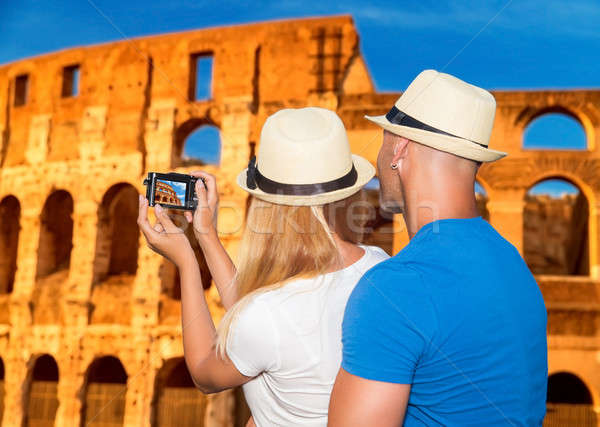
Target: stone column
(158,139)
(236,122)
(138,401)
(93,125)
(83,254)
(594,238)
(16,382)
(20,315)
(37,143)
(158,135)
(146,290)
(506,214)
(76,308)
(70,391)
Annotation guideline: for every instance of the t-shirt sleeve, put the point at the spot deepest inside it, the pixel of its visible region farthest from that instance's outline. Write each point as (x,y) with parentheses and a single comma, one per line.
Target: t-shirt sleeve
(389,323)
(252,344)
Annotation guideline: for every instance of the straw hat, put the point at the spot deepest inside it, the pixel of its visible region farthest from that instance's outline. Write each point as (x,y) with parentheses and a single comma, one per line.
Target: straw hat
(445,113)
(304,158)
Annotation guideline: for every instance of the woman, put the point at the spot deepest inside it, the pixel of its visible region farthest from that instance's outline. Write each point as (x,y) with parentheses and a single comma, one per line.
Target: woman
(298,263)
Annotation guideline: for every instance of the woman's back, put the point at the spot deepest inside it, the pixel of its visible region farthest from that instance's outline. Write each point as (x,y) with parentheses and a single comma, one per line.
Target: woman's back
(293,336)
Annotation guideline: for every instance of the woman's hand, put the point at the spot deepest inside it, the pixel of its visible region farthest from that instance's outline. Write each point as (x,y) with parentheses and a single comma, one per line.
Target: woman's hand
(204,219)
(164,238)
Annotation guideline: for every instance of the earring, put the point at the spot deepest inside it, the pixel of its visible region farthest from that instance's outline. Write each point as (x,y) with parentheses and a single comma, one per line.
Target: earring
(394,165)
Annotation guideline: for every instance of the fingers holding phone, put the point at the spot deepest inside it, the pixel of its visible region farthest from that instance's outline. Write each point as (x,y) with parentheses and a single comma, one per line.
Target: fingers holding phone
(205,215)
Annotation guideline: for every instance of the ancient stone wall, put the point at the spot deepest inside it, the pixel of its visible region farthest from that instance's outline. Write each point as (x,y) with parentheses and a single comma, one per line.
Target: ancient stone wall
(79,283)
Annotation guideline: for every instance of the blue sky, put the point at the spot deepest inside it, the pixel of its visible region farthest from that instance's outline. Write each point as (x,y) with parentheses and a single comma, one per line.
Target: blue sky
(495,44)
(554,187)
(557,131)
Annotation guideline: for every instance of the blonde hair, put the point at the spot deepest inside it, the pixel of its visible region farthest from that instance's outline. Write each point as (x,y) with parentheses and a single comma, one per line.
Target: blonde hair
(282,243)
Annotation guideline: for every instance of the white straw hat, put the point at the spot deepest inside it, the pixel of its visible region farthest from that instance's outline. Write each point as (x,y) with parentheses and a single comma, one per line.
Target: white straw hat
(304,158)
(445,113)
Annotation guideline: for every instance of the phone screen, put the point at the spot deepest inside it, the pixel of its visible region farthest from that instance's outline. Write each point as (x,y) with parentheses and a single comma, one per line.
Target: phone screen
(169,192)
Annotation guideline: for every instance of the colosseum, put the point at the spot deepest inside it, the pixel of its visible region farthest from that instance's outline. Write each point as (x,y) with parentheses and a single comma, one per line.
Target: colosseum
(90,328)
(165,193)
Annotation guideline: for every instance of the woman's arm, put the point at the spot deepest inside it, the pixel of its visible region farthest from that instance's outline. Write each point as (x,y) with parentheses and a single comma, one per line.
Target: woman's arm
(204,221)
(209,372)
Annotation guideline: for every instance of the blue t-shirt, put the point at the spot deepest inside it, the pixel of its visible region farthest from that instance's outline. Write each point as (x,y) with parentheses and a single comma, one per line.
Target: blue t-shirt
(458,315)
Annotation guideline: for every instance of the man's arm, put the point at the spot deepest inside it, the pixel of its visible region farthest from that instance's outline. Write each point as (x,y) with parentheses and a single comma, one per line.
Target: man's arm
(387,324)
(360,402)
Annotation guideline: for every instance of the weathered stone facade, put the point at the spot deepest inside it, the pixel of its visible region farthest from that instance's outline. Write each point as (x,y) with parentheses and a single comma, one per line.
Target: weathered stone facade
(78,281)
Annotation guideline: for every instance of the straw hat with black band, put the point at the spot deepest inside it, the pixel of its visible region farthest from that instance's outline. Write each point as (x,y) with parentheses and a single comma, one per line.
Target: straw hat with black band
(445,113)
(304,159)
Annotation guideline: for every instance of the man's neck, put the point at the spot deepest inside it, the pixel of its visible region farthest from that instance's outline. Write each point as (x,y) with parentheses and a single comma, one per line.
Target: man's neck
(423,210)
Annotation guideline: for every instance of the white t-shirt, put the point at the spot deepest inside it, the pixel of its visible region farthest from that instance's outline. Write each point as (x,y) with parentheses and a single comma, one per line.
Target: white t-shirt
(290,339)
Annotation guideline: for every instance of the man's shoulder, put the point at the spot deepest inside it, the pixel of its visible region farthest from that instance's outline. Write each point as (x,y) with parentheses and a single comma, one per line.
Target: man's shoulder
(393,267)
(387,279)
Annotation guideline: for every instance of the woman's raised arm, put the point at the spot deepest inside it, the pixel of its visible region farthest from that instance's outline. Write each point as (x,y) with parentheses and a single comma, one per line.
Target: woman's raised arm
(204,221)
(209,372)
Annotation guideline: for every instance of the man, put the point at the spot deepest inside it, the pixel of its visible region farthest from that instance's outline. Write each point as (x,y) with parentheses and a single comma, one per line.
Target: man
(452,330)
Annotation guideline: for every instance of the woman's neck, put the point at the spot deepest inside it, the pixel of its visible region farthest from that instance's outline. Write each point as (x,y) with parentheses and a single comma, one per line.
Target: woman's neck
(349,252)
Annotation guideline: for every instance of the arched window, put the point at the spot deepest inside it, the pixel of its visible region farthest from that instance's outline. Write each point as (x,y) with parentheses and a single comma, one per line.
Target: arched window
(56,234)
(178,402)
(555,131)
(482,199)
(10,211)
(555,229)
(118,235)
(105,393)
(202,146)
(569,402)
(43,400)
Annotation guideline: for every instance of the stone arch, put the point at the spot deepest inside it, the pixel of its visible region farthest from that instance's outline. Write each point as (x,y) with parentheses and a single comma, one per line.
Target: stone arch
(556,230)
(176,400)
(117,240)
(569,401)
(10,212)
(189,138)
(116,257)
(553,122)
(105,389)
(56,234)
(529,115)
(567,387)
(131,92)
(42,401)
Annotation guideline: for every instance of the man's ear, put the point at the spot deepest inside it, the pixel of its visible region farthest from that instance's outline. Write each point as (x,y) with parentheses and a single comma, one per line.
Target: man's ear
(400,148)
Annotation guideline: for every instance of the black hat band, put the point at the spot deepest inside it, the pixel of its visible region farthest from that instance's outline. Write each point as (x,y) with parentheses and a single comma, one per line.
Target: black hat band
(255,179)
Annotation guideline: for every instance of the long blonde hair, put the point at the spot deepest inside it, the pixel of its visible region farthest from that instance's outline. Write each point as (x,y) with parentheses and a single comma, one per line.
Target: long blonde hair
(282,243)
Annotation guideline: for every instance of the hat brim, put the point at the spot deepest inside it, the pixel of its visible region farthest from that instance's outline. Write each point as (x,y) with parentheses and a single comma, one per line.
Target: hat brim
(364,169)
(450,144)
